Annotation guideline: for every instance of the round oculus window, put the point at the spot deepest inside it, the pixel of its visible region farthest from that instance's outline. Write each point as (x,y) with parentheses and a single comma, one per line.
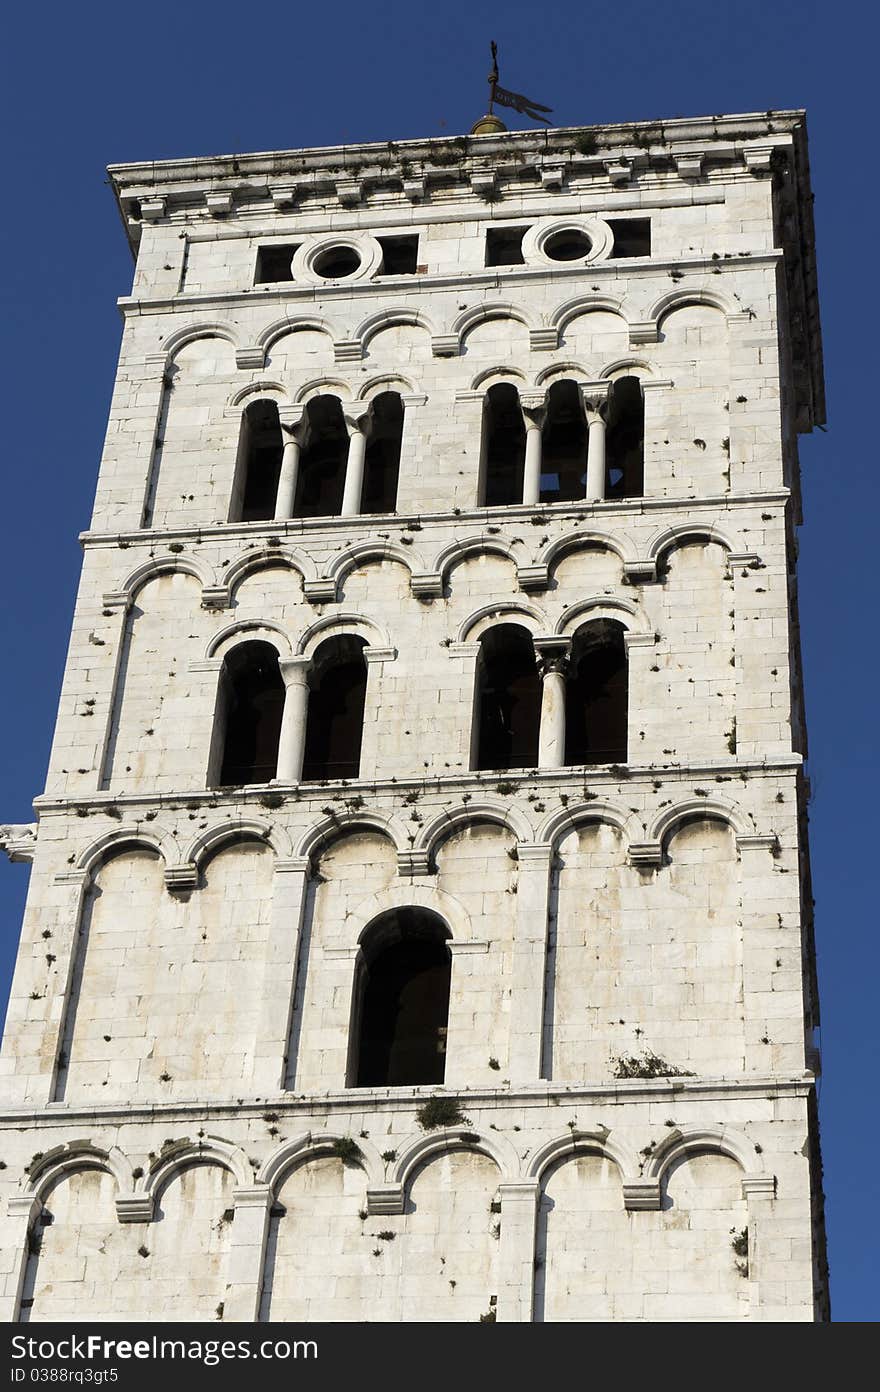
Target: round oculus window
(568,245)
(337,262)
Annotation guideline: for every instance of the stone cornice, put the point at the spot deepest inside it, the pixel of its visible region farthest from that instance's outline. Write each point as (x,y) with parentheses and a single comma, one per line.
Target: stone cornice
(304,794)
(766,1086)
(476,517)
(288,292)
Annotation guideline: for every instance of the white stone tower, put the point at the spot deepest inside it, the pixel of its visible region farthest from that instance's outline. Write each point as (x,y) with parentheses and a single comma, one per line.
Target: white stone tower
(420,920)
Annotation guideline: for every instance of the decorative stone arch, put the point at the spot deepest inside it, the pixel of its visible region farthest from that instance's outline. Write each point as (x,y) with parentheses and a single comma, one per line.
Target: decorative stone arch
(432,835)
(376,635)
(275,391)
(269,557)
(508,611)
(322,834)
(692,809)
(324,386)
(483,543)
(586,304)
(160,842)
(302,1149)
(682,533)
(492,376)
(387,382)
(563,371)
(78,1155)
(248,630)
(569,818)
(603,606)
(626,367)
(214,838)
(419,1150)
(406,896)
(578,1142)
(674,1145)
(388,319)
(582,540)
(191,332)
(280,328)
(210,1151)
(161,565)
(365,551)
(678,299)
(483,313)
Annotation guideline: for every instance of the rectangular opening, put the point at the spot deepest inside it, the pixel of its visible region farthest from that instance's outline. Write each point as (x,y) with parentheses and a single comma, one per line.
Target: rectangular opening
(632,236)
(274,264)
(399,255)
(504,246)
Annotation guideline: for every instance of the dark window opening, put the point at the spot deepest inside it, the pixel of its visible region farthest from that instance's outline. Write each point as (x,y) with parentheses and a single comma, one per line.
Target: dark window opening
(382,462)
(274,263)
(564,445)
(505,450)
(260,451)
(568,245)
(253,699)
(504,246)
(596,695)
(321,479)
(337,262)
(402,1001)
(335,723)
(399,255)
(632,236)
(625,440)
(508,707)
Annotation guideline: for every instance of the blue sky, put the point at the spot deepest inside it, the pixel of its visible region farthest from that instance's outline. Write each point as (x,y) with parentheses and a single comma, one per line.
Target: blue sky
(97,83)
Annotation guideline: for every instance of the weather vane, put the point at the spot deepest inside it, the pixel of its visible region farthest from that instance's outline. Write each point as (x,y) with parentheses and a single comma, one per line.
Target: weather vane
(524,105)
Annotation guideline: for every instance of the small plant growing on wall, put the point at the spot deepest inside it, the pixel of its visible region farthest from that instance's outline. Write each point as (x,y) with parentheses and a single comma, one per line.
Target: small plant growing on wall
(441,1111)
(347,1150)
(649,1065)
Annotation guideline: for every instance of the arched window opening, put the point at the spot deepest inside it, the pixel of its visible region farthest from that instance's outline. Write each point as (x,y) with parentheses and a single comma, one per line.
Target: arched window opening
(401,1003)
(382,463)
(321,478)
(504,433)
(508,704)
(252,702)
(259,463)
(564,445)
(335,723)
(625,440)
(597,695)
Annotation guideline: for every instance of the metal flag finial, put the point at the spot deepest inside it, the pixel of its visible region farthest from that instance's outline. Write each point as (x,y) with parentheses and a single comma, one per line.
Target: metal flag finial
(524,105)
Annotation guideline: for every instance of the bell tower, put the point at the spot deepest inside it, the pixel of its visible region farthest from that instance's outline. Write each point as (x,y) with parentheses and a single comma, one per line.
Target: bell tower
(420,918)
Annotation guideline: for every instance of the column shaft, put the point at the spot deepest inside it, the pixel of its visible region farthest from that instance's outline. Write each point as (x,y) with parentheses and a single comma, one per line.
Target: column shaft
(286,495)
(551,739)
(354,473)
(532,472)
(596,459)
(292,741)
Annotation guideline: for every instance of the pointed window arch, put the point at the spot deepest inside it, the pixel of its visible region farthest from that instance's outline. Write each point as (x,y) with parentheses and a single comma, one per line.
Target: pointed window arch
(248,725)
(401,1001)
(335,721)
(382,463)
(625,440)
(596,695)
(504,446)
(507,712)
(564,445)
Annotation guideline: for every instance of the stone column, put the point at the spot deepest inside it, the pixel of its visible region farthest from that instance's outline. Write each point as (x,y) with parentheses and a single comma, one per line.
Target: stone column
(552,655)
(595,406)
(21,1210)
(247,1247)
(291,418)
(534,862)
(534,414)
(519,1210)
(292,741)
(765,1283)
(272,1066)
(358,432)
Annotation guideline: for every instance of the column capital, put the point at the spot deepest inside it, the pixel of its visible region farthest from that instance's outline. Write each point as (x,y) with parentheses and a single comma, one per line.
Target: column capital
(552,653)
(291,416)
(358,418)
(294,670)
